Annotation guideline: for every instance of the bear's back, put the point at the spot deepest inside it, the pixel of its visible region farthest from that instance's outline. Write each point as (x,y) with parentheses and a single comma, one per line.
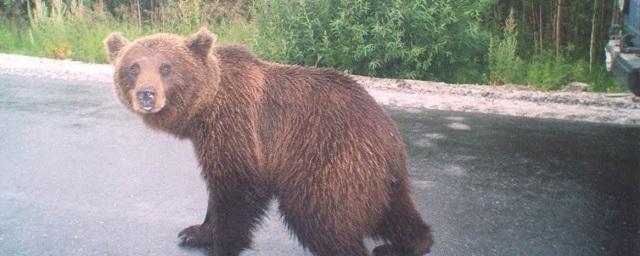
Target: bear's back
(312,115)
(324,116)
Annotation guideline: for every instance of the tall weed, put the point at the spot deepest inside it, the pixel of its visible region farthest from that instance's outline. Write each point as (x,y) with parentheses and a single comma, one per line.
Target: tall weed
(504,64)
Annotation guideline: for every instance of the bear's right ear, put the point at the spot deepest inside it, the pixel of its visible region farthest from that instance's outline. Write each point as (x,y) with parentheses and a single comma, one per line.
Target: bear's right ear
(114,44)
(201,42)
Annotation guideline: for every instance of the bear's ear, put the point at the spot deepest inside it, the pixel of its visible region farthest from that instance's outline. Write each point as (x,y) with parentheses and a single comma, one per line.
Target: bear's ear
(114,44)
(201,42)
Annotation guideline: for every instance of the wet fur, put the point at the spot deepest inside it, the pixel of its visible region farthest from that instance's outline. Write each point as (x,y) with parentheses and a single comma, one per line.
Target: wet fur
(312,138)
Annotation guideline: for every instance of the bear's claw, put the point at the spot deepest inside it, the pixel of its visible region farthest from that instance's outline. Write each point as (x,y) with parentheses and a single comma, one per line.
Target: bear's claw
(196,235)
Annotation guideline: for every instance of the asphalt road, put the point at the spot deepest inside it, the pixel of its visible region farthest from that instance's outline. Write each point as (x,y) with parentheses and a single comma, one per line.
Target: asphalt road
(81,176)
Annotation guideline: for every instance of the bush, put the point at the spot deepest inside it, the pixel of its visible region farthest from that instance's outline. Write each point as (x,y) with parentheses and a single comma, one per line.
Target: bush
(601,81)
(547,72)
(9,41)
(504,64)
(421,39)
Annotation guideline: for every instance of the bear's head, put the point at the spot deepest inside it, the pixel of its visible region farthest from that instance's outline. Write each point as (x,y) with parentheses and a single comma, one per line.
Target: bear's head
(164,78)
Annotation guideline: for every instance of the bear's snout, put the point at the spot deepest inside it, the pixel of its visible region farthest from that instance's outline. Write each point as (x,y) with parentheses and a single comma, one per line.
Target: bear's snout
(146,97)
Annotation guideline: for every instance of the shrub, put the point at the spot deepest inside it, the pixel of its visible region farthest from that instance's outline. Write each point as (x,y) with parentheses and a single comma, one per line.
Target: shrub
(547,72)
(422,39)
(504,64)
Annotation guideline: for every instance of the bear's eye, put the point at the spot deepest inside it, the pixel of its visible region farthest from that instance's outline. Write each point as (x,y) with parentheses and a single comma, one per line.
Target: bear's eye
(134,69)
(165,69)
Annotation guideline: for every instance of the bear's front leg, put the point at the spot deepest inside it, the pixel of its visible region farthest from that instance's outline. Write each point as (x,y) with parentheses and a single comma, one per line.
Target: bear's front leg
(199,235)
(232,213)
(236,214)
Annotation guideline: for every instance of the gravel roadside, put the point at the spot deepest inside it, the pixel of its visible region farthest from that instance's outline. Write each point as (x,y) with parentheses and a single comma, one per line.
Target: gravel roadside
(409,94)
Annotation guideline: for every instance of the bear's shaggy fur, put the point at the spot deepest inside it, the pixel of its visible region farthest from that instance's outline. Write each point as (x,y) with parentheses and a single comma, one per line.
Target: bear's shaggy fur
(312,138)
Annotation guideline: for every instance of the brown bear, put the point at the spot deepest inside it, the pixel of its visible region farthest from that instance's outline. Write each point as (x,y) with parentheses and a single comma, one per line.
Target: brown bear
(312,138)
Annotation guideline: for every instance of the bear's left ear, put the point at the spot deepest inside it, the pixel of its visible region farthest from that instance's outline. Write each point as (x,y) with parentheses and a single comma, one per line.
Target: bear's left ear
(201,42)
(114,44)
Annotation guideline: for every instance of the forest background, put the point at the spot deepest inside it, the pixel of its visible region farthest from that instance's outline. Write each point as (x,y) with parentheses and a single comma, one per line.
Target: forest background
(541,43)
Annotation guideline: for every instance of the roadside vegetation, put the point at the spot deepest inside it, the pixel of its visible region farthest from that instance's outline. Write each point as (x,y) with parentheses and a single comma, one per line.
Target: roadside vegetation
(544,44)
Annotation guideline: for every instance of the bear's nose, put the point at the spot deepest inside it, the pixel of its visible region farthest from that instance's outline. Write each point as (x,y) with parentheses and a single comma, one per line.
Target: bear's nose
(146,97)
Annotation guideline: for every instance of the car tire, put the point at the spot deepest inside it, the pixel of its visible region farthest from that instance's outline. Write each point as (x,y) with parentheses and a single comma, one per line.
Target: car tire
(634,81)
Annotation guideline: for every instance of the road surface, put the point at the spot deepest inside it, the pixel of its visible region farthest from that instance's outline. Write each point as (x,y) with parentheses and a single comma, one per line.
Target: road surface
(79,175)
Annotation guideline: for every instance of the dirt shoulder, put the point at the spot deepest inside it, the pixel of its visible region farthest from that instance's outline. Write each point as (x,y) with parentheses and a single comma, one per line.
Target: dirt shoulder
(412,94)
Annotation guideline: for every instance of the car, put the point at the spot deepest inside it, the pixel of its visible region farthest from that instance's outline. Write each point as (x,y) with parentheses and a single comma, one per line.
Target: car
(622,52)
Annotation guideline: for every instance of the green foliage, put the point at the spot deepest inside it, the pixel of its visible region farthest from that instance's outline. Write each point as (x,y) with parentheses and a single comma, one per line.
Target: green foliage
(544,71)
(548,72)
(504,64)
(64,31)
(467,41)
(9,41)
(422,39)
(601,81)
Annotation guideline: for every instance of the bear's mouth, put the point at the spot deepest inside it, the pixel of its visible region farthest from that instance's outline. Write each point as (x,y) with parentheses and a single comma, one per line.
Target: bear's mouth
(149,110)
(145,107)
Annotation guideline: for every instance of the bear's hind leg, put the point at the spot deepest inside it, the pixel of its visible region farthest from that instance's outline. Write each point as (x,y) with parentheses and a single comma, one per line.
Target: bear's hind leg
(321,234)
(404,229)
(234,220)
(321,243)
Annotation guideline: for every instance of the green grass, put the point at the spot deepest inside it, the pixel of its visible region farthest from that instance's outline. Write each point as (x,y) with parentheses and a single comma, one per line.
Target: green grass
(547,72)
(81,39)
(544,71)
